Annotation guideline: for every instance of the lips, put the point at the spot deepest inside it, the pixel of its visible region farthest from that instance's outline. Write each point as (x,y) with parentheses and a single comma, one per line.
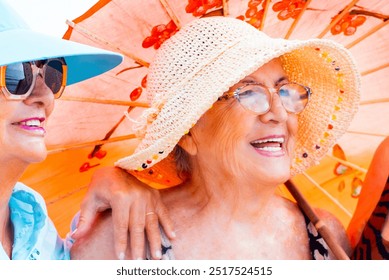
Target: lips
(34,124)
(270,146)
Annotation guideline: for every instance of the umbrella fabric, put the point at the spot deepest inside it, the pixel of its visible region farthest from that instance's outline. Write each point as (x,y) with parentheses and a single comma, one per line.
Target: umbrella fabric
(89,128)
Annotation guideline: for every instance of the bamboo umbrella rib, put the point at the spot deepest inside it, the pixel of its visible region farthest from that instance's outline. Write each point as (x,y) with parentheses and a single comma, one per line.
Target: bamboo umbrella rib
(338,17)
(295,22)
(94,36)
(58,149)
(347,163)
(367,34)
(378,68)
(170,12)
(327,194)
(63,196)
(225,8)
(106,101)
(346,174)
(266,9)
(374,101)
(367,133)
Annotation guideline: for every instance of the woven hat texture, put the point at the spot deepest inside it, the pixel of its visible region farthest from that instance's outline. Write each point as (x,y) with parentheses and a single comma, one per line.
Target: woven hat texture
(208,56)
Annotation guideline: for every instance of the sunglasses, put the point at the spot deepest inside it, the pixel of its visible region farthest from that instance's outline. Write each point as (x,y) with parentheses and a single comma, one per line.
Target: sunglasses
(257,98)
(17,80)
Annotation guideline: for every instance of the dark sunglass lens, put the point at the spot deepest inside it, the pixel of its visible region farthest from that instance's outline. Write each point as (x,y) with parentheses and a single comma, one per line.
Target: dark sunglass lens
(54,75)
(18,78)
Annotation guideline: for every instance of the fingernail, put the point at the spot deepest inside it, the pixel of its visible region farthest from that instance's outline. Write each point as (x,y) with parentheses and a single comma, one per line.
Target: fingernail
(121,256)
(139,259)
(158,254)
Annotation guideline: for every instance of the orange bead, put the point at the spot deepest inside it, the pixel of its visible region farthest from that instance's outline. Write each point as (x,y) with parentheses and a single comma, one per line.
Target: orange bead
(136,93)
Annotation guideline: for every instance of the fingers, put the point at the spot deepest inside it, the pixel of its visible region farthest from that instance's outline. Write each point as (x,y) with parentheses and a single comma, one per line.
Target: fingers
(87,214)
(165,221)
(95,201)
(120,218)
(137,232)
(153,235)
(129,200)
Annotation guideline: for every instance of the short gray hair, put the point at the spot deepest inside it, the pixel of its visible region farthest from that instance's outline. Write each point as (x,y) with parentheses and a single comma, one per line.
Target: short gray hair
(182,160)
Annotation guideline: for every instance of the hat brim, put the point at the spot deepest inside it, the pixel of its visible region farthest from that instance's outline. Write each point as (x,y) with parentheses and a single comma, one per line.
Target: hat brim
(83,61)
(312,118)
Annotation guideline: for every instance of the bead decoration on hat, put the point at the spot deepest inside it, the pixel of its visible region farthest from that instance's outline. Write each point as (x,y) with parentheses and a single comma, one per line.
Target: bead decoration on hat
(340,83)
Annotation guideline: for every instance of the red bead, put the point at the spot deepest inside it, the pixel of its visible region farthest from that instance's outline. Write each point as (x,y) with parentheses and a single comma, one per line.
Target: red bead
(135,94)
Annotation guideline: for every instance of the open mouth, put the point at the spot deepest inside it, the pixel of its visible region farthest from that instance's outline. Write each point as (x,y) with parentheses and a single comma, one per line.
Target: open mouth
(269,145)
(32,123)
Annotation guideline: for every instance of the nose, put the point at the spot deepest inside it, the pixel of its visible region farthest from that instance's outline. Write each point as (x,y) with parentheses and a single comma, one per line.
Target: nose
(277,112)
(41,95)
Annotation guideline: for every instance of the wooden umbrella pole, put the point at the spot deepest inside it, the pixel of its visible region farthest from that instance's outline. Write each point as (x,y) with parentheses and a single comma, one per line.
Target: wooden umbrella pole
(319,224)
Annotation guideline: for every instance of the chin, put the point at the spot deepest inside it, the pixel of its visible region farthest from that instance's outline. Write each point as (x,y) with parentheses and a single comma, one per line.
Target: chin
(39,159)
(274,176)
(35,154)
(281,178)
(35,158)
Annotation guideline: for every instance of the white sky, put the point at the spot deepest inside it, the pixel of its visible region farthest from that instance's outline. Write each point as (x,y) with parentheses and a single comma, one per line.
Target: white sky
(49,16)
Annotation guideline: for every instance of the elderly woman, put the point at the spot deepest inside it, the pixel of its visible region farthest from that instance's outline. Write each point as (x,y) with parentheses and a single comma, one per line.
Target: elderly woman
(233,115)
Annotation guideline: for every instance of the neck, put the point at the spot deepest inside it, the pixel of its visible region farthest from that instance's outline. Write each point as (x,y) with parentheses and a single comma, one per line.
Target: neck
(6,230)
(10,173)
(4,221)
(243,199)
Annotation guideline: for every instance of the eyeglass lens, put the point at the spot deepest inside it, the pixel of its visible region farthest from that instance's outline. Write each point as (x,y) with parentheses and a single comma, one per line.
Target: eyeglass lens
(257,98)
(19,76)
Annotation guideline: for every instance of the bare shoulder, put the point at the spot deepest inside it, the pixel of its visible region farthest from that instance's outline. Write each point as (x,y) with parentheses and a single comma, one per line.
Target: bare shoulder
(331,221)
(98,243)
(291,208)
(336,228)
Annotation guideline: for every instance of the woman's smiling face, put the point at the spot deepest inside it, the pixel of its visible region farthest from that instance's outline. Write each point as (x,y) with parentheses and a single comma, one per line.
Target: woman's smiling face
(238,143)
(22,125)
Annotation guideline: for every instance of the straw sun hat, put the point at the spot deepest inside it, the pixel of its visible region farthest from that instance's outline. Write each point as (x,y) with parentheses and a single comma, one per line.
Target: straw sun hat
(208,56)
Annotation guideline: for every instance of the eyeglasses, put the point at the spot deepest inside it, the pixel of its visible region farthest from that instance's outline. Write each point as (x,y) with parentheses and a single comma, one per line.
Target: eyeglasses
(17,80)
(257,98)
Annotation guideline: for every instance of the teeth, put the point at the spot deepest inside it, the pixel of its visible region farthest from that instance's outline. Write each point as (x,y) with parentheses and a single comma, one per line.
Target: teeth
(32,123)
(278,140)
(270,149)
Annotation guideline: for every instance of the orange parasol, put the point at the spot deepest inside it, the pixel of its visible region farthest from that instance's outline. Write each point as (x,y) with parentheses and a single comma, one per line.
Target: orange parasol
(89,127)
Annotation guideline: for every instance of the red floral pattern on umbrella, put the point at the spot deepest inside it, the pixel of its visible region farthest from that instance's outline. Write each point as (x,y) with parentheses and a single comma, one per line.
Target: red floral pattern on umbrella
(289,8)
